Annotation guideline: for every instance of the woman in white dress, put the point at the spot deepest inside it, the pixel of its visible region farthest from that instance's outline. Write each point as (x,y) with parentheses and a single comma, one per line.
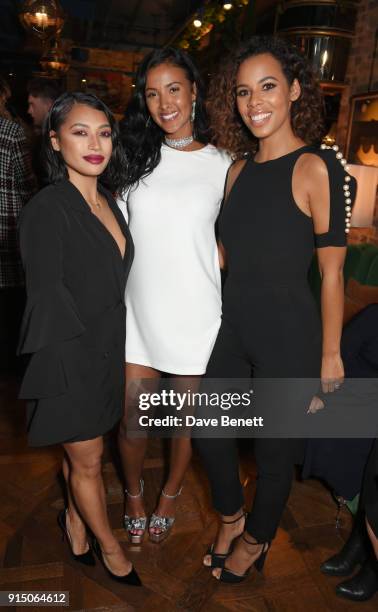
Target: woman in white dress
(173,191)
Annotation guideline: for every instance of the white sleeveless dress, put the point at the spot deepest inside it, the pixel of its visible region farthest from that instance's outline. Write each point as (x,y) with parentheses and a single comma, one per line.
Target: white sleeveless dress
(173,294)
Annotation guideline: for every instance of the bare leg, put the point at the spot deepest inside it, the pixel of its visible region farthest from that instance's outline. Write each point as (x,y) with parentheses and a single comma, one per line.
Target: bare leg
(133,450)
(373,538)
(88,491)
(180,455)
(74,523)
(229,529)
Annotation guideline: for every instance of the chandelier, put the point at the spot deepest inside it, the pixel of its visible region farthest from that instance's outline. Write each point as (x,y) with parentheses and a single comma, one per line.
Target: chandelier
(44,18)
(54,59)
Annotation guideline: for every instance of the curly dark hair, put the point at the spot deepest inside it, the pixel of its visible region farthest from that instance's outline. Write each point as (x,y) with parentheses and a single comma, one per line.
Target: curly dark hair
(142,137)
(53,160)
(228,129)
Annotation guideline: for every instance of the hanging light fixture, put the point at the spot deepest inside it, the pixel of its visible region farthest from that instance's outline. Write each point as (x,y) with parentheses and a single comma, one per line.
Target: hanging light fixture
(44,18)
(54,59)
(324,34)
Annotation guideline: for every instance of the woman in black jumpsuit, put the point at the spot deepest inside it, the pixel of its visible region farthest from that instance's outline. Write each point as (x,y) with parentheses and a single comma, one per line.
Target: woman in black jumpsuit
(279,204)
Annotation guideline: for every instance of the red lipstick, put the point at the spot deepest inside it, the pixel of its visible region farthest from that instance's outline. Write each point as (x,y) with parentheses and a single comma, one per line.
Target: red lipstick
(94,159)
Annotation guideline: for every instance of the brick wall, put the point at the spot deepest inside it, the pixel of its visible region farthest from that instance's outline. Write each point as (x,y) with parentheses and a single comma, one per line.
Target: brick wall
(357,78)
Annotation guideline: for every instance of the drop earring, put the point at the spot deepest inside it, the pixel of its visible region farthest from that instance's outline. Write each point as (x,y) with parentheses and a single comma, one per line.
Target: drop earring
(193,113)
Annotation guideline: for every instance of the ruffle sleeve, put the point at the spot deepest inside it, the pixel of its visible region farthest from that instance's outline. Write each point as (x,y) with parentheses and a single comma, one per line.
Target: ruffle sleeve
(50,317)
(52,331)
(342,193)
(56,369)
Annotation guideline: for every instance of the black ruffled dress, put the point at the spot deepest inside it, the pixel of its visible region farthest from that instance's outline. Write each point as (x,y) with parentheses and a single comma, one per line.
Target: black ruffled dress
(74,321)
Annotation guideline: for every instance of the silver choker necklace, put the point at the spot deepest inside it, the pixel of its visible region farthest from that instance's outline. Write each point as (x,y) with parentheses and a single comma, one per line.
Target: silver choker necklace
(179,143)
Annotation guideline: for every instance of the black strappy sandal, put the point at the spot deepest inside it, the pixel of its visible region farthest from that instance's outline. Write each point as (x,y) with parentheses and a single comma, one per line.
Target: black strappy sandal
(230,577)
(218,559)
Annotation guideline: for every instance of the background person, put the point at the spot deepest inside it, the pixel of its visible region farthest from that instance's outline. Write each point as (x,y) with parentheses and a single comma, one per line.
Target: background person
(17,184)
(342,463)
(42,93)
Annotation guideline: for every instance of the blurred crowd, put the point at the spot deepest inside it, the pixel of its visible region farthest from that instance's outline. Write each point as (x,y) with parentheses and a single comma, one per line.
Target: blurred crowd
(21,175)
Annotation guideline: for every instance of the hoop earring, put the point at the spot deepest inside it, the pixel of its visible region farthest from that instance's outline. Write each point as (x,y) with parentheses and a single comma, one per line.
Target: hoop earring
(148,121)
(193,113)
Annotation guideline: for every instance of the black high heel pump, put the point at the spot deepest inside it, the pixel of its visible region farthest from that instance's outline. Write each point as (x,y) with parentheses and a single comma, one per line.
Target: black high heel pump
(86,558)
(132,578)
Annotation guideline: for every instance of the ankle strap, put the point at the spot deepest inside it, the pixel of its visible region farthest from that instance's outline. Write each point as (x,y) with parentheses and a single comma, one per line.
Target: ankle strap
(164,494)
(140,494)
(249,542)
(265,545)
(234,520)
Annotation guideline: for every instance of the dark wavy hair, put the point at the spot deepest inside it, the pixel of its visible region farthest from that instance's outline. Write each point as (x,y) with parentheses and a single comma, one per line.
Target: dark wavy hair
(142,137)
(55,166)
(228,129)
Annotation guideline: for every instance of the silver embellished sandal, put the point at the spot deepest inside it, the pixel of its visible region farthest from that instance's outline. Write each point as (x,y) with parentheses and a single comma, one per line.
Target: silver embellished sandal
(163,523)
(133,524)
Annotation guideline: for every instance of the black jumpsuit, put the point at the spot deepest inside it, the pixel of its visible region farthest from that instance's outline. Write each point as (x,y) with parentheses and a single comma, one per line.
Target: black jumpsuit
(270,323)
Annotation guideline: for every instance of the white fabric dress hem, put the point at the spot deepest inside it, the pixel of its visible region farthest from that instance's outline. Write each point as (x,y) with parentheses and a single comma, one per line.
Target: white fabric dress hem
(144,361)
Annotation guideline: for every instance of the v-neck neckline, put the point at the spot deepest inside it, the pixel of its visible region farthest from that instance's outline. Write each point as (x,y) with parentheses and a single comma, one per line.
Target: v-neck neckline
(100,223)
(123,257)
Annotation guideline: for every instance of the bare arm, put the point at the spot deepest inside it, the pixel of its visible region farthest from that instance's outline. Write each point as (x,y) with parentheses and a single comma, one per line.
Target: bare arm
(232,175)
(221,255)
(331,262)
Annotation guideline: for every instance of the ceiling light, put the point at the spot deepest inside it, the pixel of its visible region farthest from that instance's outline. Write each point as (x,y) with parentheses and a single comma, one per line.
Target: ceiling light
(54,59)
(227,5)
(197,23)
(44,18)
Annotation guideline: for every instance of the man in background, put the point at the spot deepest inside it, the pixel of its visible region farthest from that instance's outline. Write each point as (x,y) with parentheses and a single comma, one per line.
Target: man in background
(42,93)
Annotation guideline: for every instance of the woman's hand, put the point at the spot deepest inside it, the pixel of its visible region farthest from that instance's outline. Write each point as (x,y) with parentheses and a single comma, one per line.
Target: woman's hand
(332,373)
(315,405)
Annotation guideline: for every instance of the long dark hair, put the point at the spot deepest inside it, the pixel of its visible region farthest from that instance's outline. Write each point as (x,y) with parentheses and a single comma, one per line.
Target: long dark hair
(306,113)
(53,160)
(141,137)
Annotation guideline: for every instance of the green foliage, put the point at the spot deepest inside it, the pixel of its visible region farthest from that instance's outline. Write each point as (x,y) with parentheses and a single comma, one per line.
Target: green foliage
(218,20)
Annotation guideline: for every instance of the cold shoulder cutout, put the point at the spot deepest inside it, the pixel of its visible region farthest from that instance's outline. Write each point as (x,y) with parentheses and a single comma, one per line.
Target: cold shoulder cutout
(342,193)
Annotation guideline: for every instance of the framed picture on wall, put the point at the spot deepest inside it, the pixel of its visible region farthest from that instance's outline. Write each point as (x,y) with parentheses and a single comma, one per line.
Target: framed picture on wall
(362,137)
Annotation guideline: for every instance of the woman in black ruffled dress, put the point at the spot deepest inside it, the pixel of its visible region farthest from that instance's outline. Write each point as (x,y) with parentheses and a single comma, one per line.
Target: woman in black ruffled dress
(77,252)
